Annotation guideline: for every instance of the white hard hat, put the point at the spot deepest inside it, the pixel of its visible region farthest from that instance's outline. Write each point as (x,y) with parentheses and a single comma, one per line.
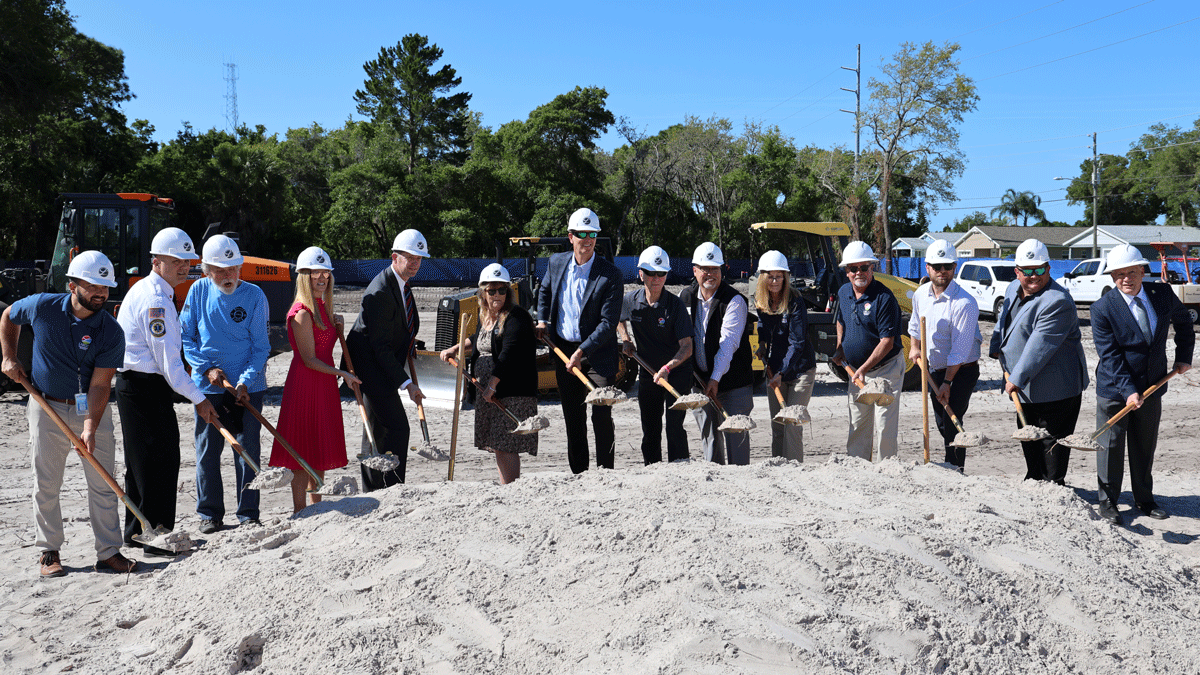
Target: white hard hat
(654,259)
(221,251)
(411,241)
(174,242)
(773,261)
(941,252)
(708,255)
(584,220)
(856,252)
(494,273)
(93,267)
(1123,256)
(314,258)
(1032,252)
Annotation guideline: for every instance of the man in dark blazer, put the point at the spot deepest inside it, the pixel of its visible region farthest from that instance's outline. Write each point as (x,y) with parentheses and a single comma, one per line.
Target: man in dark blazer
(1129,327)
(579,300)
(382,339)
(1037,340)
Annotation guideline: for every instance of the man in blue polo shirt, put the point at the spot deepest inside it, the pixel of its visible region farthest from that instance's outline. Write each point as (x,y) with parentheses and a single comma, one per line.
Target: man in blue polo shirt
(224,330)
(77,348)
(868,335)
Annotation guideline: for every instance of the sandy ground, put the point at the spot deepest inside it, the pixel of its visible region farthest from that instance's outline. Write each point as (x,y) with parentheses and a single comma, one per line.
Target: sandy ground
(834,565)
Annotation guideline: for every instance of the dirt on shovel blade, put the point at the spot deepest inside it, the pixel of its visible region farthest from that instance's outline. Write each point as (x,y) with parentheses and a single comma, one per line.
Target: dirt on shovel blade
(690,402)
(341,486)
(876,392)
(382,463)
(969,439)
(430,451)
(271,478)
(737,423)
(793,414)
(1080,442)
(168,541)
(606,396)
(532,425)
(1030,433)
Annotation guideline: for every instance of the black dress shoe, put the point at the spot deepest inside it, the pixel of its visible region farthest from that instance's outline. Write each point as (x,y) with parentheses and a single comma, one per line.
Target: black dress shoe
(1153,511)
(158,552)
(1109,512)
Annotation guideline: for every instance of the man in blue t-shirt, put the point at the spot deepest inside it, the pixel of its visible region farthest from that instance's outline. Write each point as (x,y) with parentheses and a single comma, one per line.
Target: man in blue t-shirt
(868,335)
(77,347)
(224,324)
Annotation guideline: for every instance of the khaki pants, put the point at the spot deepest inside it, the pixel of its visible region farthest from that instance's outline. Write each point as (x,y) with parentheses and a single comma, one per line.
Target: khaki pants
(787,440)
(50,448)
(874,426)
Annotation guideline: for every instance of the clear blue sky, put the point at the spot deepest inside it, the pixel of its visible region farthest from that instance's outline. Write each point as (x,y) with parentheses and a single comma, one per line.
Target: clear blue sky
(1045,81)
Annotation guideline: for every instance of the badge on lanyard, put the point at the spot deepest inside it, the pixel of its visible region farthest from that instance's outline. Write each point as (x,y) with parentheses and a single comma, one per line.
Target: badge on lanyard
(81,404)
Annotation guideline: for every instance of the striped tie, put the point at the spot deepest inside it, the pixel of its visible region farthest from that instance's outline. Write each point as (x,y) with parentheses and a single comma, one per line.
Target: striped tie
(410,316)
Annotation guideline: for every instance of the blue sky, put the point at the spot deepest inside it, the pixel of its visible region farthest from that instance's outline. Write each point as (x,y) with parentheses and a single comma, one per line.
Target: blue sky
(1045,81)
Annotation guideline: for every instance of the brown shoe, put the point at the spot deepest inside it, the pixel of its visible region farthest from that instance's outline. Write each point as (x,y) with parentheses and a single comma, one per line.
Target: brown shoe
(51,565)
(117,563)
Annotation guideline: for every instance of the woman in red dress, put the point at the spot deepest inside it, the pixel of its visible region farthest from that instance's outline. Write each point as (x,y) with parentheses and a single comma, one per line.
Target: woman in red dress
(310,416)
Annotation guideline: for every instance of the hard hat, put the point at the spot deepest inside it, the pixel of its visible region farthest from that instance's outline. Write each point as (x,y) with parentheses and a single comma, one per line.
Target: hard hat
(1123,256)
(93,267)
(773,261)
(221,251)
(314,258)
(174,242)
(941,252)
(857,252)
(1032,252)
(708,255)
(494,273)
(584,220)
(654,259)
(411,241)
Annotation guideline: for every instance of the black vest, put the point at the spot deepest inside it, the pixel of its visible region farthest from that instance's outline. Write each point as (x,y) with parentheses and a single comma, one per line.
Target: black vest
(740,373)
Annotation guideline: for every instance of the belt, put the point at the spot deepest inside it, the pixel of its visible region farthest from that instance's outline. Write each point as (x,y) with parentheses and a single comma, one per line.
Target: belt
(137,375)
(973,364)
(48,397)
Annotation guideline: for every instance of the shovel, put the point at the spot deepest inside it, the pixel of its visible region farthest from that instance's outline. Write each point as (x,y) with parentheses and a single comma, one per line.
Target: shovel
(272,479)
(1082,442)
(734,423)
(963,439)
(682,402)
(375,461)
(531,425)
(154,537)
(788,414)
(427,449)
(873,393)
(1026,432)
(602,396)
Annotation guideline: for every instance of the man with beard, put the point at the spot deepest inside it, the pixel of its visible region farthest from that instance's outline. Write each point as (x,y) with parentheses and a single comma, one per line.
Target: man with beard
(224,324)
(868,340)
(952,326)
(153,371)
(77,348)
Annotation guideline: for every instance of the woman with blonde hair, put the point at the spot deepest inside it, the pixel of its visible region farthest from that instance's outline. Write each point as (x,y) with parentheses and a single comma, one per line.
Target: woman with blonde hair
(310,416)
(784,348)
(503,356)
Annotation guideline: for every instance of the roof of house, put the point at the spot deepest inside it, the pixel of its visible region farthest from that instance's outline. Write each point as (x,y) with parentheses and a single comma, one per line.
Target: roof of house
(1141,234)
(914,243)
(1011,237)
(943,236)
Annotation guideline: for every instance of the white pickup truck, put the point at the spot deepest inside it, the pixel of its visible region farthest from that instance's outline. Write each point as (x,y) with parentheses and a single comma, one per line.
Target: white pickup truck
(986,280)
(1090,280)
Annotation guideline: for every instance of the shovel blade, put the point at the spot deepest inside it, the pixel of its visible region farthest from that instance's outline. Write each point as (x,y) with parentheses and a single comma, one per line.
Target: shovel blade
(161,537)
(383,463)
(531,425)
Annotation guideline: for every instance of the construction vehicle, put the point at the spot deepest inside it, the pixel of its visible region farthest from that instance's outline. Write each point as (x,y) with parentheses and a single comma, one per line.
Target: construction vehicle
(818,280)
(1187,284)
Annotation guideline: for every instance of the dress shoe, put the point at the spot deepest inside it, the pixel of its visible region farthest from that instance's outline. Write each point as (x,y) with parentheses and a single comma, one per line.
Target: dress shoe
(158,552)
(1109,512)
(1153,511)
(116,563)
(209,526)
(51,565)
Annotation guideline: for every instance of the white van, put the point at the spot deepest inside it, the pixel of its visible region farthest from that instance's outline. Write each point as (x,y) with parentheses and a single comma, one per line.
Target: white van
(987,280)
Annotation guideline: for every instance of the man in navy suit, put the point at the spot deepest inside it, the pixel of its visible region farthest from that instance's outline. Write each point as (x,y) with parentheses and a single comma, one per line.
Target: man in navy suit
(1037,340)
(382,339)
(1130,330)
(580,299)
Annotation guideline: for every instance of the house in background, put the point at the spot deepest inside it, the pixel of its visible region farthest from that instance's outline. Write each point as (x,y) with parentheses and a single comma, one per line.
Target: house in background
(1138,236)
(909,247)
(942,236)
(1000,241)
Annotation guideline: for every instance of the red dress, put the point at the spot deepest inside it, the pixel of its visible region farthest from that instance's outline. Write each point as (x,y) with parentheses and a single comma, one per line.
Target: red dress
(310,416)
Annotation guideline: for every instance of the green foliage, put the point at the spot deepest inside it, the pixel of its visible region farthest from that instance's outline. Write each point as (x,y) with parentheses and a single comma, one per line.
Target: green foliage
(1020,205)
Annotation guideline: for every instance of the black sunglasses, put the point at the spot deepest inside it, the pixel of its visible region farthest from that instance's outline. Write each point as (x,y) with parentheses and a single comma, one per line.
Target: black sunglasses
(650,273)
(855,269)
(941,267)
(586,235)
(1033,271)
(500,291)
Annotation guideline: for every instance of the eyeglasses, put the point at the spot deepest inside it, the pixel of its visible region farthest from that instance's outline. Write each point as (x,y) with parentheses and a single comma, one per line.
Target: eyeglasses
(651,273)
(1033,271)
(855,269)
(941,267)
(498,291)
(321,274)
(775,277)
(585,235)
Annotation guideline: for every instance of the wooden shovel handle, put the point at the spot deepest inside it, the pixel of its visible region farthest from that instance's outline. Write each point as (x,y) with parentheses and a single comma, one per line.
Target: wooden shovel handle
(274,432)
(481,388)
(1129,408)
(712,399)
(933,387)
(237,447)
(578,373)
(362,408)
(664,382)
(412,375)
(850,372)
(1016,402)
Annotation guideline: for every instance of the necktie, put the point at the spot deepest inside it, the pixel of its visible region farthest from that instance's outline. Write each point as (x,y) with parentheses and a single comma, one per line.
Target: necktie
(698,328)
(1139,314)
(410,316)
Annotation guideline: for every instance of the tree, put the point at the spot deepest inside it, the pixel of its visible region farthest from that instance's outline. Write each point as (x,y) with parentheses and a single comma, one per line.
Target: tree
(913,113)
(1124,197)
(403,92)
(1020,204)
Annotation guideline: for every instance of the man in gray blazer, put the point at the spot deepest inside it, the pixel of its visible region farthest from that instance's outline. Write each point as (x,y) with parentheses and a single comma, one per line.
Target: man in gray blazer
(1037,340)
(580,300)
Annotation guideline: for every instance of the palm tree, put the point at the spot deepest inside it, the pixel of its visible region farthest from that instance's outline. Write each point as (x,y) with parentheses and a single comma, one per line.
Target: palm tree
(1019,204)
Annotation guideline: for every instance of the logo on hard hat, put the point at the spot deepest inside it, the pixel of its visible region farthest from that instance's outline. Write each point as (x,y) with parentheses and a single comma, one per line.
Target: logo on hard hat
(658,261)
(103,272)
(228,253)
(420,246)
(321,259)
(496,273)
(586,220)
(187,245)
(710,256)
(1029,254)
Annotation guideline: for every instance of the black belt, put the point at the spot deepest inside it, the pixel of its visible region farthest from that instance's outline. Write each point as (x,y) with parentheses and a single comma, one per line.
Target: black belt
(48,397)
(137,375)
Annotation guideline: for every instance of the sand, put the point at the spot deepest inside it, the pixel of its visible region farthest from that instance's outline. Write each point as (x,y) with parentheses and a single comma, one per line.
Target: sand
(381,462)
(1080,442)
(531,425)
(793,414)
(606,396)
(690,402)
(970,439)
(738,423)
(1030,433)
(271,478)
(340,485)
(876,391)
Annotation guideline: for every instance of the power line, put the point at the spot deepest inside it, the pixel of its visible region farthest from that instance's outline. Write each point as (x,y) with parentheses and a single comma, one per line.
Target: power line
(810,105)
(1021,44)
(1010,19)
(800,92)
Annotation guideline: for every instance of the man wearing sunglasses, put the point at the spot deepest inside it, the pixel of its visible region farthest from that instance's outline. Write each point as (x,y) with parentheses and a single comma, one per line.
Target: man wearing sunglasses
(868,335)
(580,300)
(952,328)
(1037,340)
(1130,331)
(662,337)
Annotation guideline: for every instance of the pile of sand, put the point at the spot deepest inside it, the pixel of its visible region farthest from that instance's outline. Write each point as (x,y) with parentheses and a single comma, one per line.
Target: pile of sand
(1030,433)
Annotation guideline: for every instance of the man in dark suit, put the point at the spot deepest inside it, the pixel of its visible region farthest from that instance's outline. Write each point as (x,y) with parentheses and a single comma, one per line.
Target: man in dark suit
(580,298)
(1037,340)
(1130,331)
(382,339)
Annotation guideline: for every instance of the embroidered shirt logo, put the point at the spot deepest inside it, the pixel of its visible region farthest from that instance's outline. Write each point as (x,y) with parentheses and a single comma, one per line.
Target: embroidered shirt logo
(238,315)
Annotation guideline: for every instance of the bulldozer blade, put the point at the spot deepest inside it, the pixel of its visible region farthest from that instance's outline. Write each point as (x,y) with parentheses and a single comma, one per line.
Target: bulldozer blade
(436,379)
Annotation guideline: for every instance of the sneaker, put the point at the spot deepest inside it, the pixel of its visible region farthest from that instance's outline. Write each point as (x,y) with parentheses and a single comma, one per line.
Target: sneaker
(250,522)
(51,565)
(209,526)
(117,563)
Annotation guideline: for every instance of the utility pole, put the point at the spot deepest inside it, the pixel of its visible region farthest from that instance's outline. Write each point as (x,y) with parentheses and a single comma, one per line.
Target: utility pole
(1095,199)
(231,111)
(857,69)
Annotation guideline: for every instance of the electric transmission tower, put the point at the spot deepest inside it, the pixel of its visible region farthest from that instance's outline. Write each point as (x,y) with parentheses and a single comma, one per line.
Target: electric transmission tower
(231,111)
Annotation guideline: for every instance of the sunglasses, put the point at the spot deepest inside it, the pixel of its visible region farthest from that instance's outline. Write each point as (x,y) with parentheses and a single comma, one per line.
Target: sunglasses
(650,273)
(941,267)
(585,235)
(497,291)
(1033,271)
(855,269)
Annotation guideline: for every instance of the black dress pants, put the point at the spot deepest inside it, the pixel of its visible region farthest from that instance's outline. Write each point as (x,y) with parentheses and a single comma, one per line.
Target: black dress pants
(653,402)
(1138,429)
(572,391)
(960,399)
(151,435)
(389,423)
(1059,418)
